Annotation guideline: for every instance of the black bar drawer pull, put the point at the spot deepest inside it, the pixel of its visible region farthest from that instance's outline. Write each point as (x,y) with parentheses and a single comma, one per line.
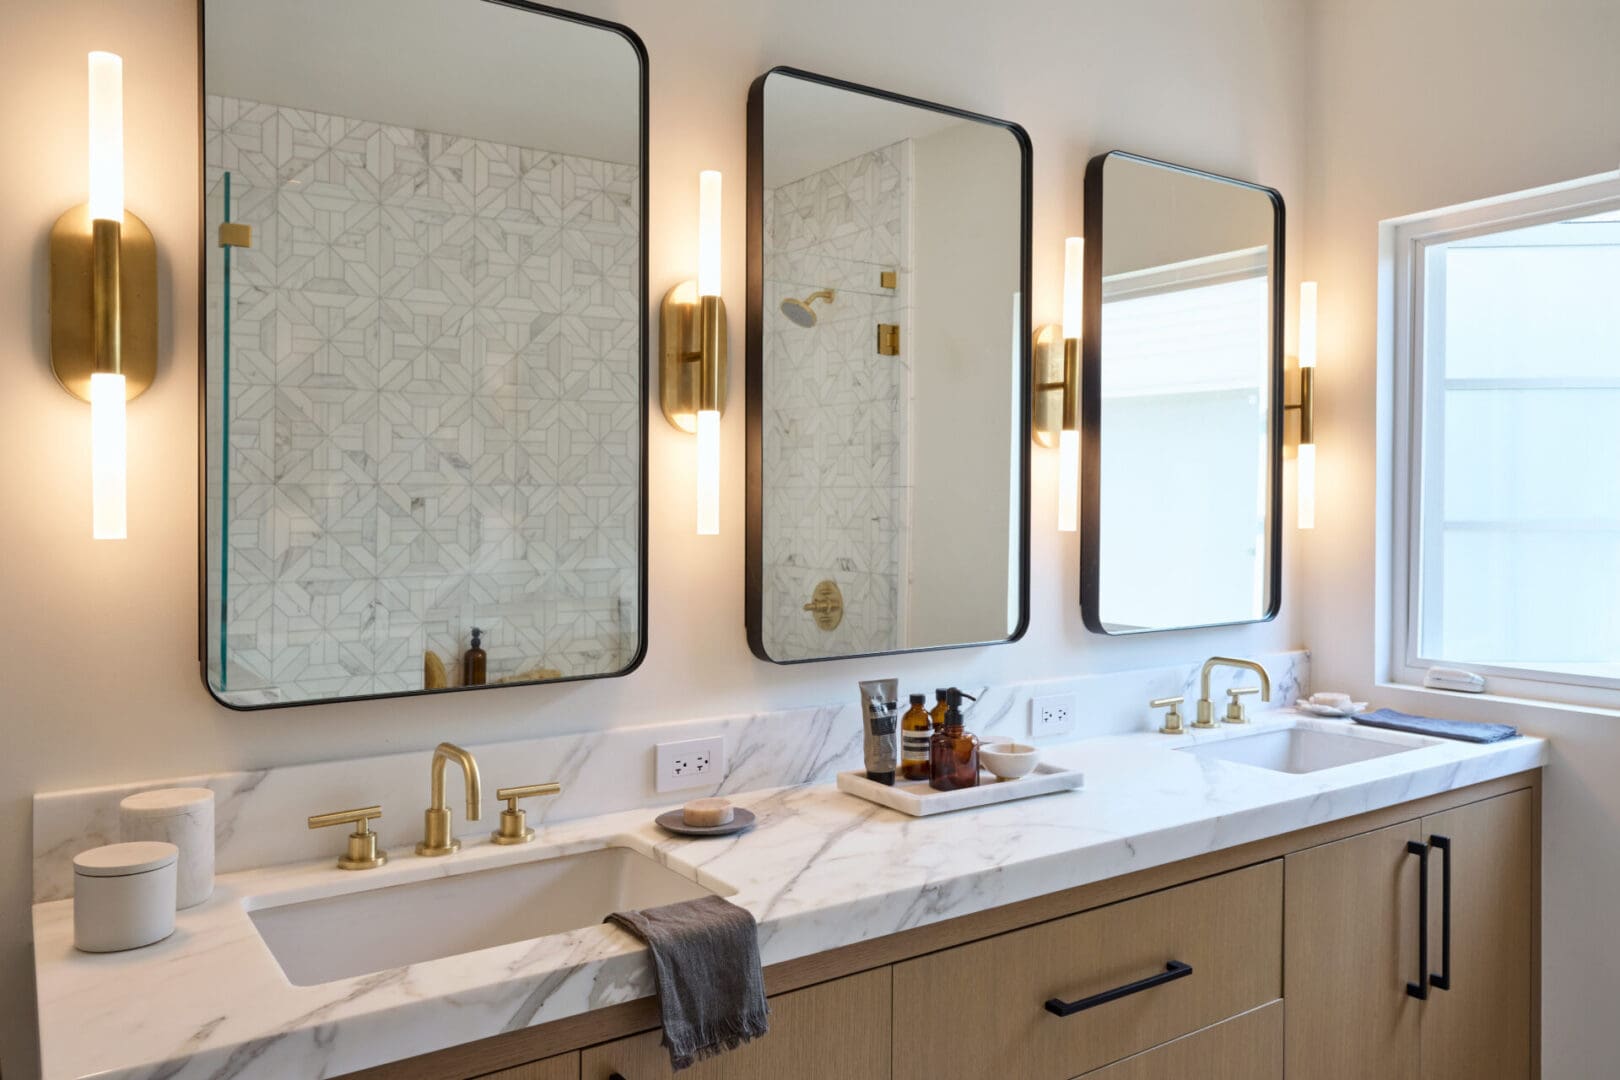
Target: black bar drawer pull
(1442,981)
(1174,970)
(1420,989)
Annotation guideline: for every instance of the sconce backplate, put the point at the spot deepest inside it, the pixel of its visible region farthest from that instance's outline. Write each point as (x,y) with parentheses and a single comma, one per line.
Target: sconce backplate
(680,343)
(1047,358)
(72,351)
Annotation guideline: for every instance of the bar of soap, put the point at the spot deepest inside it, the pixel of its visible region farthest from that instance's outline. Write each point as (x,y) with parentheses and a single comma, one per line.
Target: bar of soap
(707,813)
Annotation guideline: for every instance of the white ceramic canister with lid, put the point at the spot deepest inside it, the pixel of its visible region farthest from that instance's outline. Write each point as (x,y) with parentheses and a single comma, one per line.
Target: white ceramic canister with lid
(123,896)
(183,817)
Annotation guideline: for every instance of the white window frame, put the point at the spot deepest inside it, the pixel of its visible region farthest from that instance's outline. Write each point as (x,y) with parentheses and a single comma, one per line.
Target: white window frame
(1407,241)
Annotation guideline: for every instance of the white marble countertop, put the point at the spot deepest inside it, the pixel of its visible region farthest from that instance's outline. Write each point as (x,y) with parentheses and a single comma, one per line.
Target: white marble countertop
(821,870)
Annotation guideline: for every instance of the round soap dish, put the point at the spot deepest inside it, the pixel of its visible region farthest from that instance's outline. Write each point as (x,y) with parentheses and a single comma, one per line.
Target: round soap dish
(740,819)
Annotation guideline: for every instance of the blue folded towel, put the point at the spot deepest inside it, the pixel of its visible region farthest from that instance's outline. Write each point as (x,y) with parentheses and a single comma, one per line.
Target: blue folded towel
(1465,730)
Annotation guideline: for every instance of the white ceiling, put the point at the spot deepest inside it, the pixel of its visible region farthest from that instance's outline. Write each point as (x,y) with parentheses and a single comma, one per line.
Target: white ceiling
(463,67)
(810,126)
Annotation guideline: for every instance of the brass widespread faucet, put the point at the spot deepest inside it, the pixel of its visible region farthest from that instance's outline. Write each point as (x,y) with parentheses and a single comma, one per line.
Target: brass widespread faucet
(1206,710)
(436,838)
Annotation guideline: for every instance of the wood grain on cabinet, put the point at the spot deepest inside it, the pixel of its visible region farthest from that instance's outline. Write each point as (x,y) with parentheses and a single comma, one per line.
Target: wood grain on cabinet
(1479,1029)
(1228,927)
(1246,1047)
(1350,947)
(561,1067)
(837,1029)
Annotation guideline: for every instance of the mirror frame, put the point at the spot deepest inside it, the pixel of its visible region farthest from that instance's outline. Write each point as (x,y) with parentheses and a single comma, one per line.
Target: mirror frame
(1091,354)
(755,329)
(640,50)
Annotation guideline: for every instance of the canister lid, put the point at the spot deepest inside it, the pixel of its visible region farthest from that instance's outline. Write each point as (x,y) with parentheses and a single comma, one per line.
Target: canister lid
(122,860)
(165,802)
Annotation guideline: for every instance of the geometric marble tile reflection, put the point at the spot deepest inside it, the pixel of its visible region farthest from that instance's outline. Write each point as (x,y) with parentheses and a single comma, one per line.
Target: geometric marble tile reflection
(435,382)
(837,413)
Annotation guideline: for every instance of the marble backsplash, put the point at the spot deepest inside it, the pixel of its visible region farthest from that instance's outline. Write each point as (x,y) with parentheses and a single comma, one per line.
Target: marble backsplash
(259,814)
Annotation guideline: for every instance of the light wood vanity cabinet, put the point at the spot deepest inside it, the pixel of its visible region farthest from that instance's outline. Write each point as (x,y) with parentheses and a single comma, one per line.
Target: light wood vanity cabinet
(1225,930)
(1301,947)
(1246,1047)
(834,1029)
(1353,944)
(561,1067)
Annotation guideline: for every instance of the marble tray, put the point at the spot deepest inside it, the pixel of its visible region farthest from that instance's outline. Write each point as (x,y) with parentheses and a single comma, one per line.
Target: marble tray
(916,798)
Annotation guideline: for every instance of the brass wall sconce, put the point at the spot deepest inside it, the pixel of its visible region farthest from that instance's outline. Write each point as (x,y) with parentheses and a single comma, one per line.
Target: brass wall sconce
(103,300)
(692,365)
(1056,382)
(1305,494)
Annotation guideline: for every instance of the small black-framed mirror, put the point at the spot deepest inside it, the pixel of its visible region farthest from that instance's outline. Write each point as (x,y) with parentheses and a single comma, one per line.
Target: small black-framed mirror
(424,338)
(1181,398)
(888,396)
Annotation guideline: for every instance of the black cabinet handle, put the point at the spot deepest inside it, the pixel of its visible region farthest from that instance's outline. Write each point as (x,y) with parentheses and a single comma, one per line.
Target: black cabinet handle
(1420,989)
(1442,981)
(1175,969)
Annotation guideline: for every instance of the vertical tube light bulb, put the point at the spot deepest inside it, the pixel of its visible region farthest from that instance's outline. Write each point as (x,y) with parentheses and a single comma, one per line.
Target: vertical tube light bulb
(108,468)
(1068,513)
(708,414)
(1306,463)
(708,276)
(106,137)
(1074,271)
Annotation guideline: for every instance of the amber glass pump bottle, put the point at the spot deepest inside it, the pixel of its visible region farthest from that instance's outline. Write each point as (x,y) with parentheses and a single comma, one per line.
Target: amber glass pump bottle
(953,753)
(914,738)
(473,661)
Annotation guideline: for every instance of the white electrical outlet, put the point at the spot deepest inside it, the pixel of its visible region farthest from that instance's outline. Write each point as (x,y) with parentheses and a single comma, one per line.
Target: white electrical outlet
(691,763)
(1053,715)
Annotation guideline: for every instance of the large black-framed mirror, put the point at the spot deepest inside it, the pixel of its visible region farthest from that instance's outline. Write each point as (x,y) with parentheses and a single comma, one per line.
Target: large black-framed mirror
(1181,398)
(424,332)
(888,357)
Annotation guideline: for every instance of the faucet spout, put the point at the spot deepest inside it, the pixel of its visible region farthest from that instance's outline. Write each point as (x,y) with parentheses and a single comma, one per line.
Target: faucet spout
(445,753)
(436,838)
(1206,710)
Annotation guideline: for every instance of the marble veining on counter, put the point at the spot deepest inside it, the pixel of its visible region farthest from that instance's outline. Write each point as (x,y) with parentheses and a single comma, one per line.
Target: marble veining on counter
(821,870)
(600,771)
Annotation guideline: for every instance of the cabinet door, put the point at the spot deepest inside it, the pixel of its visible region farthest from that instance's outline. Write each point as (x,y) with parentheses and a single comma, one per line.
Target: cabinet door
(561,1067)
(1479,1027)
(834,1029)
(1350,948)
(1246,1047)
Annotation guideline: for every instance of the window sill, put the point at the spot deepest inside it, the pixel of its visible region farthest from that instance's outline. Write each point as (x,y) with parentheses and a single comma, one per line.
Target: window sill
(1493,704)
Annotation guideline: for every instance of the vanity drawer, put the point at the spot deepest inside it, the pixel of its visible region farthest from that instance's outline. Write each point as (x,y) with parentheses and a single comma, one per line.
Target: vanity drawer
(1246,1047)
(980,1010)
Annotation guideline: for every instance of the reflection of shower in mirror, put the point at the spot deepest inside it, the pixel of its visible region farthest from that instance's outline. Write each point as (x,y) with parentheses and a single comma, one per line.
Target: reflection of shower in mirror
(800,311)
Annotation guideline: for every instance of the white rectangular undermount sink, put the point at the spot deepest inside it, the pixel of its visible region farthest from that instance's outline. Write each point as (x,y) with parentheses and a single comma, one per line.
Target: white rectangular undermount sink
(338,937)
(1303,750)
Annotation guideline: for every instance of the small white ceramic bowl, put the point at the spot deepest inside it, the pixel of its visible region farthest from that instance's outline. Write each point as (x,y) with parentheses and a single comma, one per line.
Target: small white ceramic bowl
(1009,760)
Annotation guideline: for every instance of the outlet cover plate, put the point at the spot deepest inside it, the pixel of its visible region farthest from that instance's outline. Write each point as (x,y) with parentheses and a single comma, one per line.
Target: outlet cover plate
(691,763)
(1054,714)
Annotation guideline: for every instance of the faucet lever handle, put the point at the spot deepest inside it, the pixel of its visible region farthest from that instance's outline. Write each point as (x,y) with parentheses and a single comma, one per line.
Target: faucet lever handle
(514,824)
(1234,707)
(1172,719)
(363,852)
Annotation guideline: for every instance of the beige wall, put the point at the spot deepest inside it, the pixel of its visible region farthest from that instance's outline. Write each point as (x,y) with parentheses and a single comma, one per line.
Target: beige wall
(1416,107)
(99,681)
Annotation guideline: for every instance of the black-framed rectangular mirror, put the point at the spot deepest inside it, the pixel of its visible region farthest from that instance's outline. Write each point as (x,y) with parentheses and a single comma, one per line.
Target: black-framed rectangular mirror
(888,399)
(424,333)
(1181,398)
